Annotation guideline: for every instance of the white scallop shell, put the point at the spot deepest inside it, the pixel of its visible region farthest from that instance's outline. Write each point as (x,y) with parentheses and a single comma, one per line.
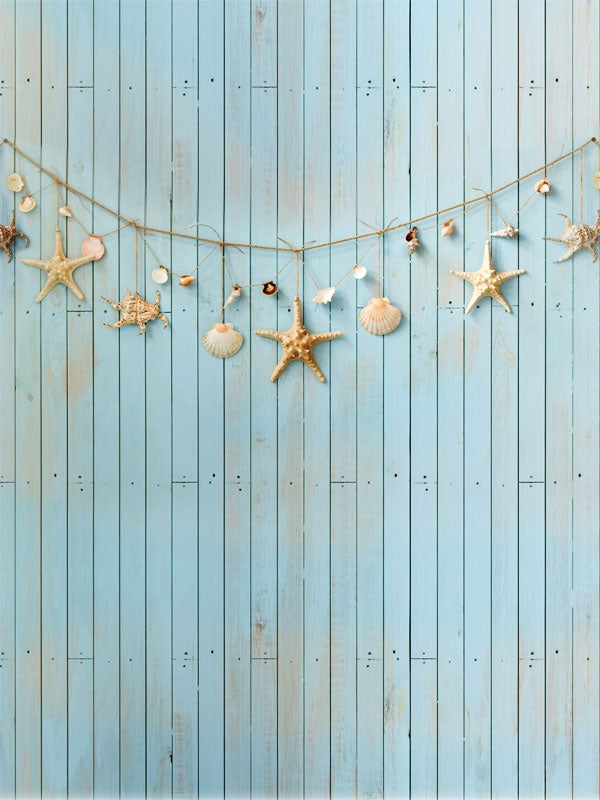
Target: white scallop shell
(324,295)
(93,246)
(359,272)
(160,274)
(222,340)
(15,182)
(28,203)
(379,316)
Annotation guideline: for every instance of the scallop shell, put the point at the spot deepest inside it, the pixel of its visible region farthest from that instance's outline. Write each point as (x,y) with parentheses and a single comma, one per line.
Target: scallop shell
(185,280)
(93,246)
(596,180)
(448,227)
(28,203)
(270,288)
(65,211)
(15,182)
(543,186)
(359,272)
(324,295)
(160,274)
(379,316)
(222,340)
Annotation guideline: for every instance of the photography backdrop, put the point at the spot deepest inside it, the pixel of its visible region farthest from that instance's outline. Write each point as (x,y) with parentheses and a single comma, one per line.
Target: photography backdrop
(383,584)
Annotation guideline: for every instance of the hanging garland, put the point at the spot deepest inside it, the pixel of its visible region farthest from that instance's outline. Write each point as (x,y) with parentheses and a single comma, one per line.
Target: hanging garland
(378,317)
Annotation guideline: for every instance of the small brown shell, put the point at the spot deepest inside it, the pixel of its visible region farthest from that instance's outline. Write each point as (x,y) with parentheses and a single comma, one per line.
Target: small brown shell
(185,280)
(15,182)
(270,288)
(543,186)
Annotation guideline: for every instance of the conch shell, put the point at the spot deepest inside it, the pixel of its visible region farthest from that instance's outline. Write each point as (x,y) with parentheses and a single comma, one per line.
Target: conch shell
(507,232)
(222,340)
(412,241)
(235,294)
(379,316)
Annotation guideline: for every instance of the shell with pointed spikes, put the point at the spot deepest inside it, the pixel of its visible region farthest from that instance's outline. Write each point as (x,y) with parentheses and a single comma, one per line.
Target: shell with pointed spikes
(379,316)
(222,340)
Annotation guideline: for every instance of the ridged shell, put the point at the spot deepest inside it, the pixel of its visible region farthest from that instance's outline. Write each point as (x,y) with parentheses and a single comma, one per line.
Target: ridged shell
(15,182)
(93,246)
(359,272)
(222,340)
(379,316)
(28,203)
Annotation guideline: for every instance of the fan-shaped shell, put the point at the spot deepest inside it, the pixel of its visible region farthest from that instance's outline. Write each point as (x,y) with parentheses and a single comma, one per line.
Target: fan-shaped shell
(222,340)
(358,271)
(28,203)
(15,182)
(93,246)
(379,316)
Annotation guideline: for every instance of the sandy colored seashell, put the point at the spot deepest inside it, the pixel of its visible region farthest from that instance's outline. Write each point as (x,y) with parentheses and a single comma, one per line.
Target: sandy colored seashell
(185,280)
(412,241)
(379,316)
(270,288)
(160,274)
(507,232)
(222,340)
(93,246)
(324,295)
(65,211)
(448,227)
(235,294)
(15,182)
(596,180)
(28,203)
(358,271)
(543,186)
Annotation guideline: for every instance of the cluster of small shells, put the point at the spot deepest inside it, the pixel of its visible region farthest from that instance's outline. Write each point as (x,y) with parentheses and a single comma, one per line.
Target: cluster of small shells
(16,182)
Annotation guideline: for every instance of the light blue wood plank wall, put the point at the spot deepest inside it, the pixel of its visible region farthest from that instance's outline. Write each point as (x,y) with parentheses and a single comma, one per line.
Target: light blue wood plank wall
(383,585)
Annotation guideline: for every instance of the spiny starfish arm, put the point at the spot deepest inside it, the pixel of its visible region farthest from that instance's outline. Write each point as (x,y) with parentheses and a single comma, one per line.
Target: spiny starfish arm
(110,303)
(164,319)
(552,239)
(466,276)
(510,273)
(567,255)
(35,262)
(475,298)
(593,252)
(115,324)
(283,362)
(297,311)
(50,284)
(567,222)
(499,298)
(269,335)
(317,338)
(310,361)
(68,281)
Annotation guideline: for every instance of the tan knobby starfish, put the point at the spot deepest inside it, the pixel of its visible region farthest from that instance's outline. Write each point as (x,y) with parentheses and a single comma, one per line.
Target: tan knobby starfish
(298,343)
(59,269)
(486,281)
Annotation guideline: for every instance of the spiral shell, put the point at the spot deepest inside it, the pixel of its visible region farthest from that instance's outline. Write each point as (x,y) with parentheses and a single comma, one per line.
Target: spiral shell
(379,316)
(412,240)
(222,340)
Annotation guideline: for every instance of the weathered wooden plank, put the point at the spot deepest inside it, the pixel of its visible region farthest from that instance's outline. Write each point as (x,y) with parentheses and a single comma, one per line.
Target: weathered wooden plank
(7,640)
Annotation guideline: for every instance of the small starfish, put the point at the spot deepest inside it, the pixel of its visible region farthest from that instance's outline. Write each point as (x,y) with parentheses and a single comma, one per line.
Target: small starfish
(59,269)
(486,281)
(298,343)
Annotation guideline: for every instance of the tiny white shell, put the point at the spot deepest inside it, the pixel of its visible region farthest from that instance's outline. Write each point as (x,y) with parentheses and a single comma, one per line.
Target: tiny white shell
(543,186)
(15,182)
(160,274)
(379,316)
(28,203)
(596,180)
(65,211)
(222,340)
(324,295)
(359,272)
(93,246)
(507,232)
(235,294)
(448,227)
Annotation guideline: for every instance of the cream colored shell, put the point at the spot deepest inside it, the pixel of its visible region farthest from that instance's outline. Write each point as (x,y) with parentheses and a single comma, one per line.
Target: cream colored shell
(324,295)
(15,182)
(379,316)
(93,246)
(358,271)
(448,227)
(28,203)
(222,340)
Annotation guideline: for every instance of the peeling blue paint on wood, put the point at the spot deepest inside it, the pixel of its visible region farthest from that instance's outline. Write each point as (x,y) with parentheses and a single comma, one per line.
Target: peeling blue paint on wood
(384,585)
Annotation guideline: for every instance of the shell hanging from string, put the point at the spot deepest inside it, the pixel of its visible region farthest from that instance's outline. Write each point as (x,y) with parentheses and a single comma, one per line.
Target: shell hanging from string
(448,227)
(379,316)
(222,340)
(234,294)
(412,240)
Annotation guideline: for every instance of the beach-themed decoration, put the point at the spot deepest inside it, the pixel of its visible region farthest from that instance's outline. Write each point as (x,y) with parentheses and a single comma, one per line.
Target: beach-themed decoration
(15,182)
(486,281)
(8,234)
(412,240)
(359,272)
(27,203)
(135,310)
(298,343)
(270,288)
(235,294)
(448,227)
(596,180)
(543,186)
(186,280)
(222,340)
(379,316)
(578,237)
(59,269)
(93,246)
(65,211)
(507,232)
(324,295)
(160,275)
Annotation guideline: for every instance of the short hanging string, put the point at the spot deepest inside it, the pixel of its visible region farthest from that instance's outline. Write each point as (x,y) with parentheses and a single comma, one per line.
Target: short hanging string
(581,186)
(57,184)
(297,273)
(223,267)
(135,227)
(379,235)
(487,216)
